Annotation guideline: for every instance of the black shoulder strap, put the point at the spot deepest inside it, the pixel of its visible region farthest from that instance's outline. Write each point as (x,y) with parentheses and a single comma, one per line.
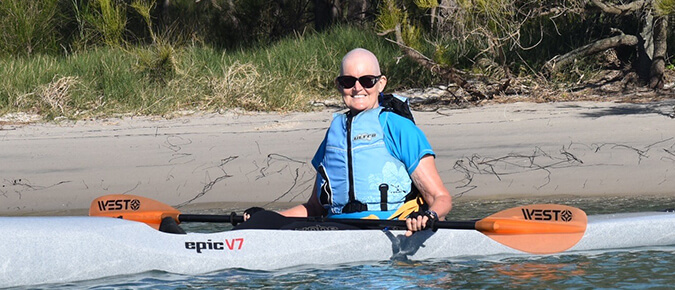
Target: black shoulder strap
(400,106)
(396,104)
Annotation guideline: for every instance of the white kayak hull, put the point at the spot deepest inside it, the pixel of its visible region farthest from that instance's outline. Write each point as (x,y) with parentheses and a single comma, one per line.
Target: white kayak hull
(37,250)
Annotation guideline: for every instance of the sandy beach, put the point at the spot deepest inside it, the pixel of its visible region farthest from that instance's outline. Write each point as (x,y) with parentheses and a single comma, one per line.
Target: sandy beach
(493,151)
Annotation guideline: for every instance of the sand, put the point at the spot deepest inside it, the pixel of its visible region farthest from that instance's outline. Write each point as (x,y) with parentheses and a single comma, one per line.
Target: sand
(494,151)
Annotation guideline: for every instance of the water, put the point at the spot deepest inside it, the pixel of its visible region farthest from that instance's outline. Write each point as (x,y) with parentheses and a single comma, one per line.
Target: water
(628,269)
(637,269)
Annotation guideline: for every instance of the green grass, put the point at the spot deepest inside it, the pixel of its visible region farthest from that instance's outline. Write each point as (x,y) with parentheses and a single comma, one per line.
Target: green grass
(163,78)
(28,27)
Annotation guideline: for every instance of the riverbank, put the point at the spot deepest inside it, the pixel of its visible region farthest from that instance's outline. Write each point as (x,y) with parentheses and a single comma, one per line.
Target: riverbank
(495,151)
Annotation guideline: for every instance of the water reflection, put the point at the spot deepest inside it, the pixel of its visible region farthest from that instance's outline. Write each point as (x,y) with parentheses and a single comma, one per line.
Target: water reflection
(539,271)
(634,269)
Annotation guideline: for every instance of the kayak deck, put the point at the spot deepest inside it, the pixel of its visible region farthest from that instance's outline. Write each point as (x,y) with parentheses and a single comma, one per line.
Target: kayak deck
(37,250)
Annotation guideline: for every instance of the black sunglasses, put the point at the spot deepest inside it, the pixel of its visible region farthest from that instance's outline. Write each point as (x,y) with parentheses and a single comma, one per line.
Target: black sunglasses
(367,82)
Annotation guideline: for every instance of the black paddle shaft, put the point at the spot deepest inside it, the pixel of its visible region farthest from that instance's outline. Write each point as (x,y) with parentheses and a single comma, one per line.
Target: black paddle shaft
(360,223)
(211,218)
(400,224)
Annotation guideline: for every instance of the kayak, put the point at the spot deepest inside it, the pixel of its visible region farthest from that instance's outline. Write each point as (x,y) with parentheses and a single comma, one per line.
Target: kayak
(38,250)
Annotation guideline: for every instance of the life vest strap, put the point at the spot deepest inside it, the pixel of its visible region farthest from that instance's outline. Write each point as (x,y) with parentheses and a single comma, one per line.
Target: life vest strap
(354,206)
(384,188)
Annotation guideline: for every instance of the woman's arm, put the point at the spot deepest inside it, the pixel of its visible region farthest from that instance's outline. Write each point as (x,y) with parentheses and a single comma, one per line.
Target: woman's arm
(311,208)
(430,185)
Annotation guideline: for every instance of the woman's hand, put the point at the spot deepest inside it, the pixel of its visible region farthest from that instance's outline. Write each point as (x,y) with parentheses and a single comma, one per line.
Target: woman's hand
(418,221)
(250,211)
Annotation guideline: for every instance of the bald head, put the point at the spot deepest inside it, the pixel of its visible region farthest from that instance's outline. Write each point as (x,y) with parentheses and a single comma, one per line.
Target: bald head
(365,84)
(362,58)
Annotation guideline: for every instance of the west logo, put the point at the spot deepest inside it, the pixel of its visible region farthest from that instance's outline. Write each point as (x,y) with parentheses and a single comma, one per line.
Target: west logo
(119,204)
(229,244)
(547,215)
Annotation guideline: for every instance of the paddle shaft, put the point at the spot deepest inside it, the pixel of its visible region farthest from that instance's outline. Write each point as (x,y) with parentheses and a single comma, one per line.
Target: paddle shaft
(360,223)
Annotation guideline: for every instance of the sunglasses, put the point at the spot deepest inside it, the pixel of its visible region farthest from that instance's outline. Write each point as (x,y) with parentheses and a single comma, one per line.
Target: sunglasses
(367,82)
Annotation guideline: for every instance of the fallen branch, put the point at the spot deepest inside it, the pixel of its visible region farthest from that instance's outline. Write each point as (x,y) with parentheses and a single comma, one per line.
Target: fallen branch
(556,63)
(445,72)
(619,9)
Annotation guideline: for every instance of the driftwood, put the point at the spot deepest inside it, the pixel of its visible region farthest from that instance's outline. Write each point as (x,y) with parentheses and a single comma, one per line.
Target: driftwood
(559,62)
(620,9)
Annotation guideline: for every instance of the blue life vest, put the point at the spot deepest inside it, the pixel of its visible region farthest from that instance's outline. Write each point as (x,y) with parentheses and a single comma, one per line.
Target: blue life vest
(358,168)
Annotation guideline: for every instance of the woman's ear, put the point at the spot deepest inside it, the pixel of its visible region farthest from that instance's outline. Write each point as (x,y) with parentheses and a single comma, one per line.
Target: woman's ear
(382,83)
(337,85)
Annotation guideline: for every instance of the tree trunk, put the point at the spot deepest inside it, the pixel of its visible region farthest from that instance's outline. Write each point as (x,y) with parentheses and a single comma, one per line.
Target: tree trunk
(645,46)
(325,13)
(356,9)
(163,7)
(656,76)
(651,47)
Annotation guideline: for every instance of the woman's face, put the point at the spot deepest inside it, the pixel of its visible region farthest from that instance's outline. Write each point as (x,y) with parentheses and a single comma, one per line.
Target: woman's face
(357,97)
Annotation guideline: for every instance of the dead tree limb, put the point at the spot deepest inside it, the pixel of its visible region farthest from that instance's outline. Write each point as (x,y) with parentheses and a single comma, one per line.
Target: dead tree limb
(620,9)
(558,62)
(434,67)
(445,72)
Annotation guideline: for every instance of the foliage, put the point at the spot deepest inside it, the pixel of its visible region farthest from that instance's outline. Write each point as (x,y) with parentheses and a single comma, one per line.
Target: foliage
(163,77)
(79,58)
(108,18)
(495,37)
(157,61)
(426,3)
(143,8)
(389,16)
(237,23)
(28,27)
(665,7)
(393,18)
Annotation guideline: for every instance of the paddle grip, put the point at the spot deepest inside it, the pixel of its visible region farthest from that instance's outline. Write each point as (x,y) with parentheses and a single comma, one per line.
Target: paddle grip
(208,218)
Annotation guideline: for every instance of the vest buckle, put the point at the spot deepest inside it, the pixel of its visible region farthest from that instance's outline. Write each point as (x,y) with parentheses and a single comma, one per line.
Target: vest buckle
(354,206)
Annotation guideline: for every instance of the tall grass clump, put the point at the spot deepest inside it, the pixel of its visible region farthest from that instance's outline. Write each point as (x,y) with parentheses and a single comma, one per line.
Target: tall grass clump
(97,82)
(104,21)
(157,61)
(28,27)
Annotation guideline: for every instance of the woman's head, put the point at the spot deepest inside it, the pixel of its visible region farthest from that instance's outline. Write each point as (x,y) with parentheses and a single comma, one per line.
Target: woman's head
(360,81)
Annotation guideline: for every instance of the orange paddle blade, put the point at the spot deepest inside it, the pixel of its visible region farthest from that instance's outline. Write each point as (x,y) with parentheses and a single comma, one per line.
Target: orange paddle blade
(132,207)
(536,229)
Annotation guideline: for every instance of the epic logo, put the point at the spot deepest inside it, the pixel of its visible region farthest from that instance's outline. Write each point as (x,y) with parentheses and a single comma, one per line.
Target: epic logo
(119,204)
(229,244)
(547,215)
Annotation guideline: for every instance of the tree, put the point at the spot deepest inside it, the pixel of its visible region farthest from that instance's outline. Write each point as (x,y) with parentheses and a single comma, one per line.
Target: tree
(650,42)
(461,39)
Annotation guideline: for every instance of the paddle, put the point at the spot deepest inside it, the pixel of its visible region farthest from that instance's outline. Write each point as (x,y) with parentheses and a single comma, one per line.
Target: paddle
(537,229)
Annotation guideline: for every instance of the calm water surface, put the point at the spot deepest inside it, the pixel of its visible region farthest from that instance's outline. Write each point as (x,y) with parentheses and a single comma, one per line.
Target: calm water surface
(632,269)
